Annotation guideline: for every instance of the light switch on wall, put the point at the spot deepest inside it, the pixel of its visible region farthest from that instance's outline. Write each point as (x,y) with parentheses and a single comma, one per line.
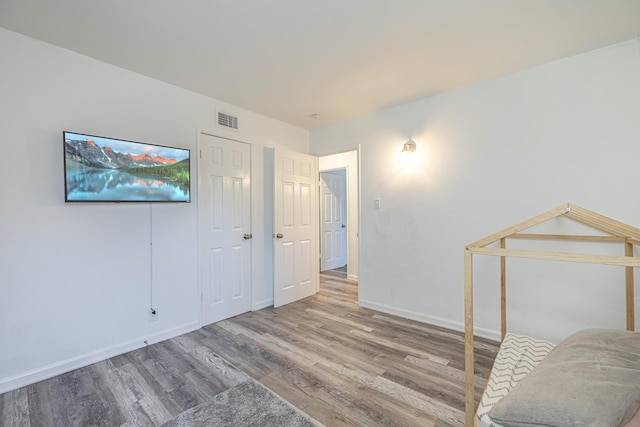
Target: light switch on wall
(376,203)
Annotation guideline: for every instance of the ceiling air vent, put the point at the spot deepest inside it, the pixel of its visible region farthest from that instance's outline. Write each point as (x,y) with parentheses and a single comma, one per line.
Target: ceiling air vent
(227,121)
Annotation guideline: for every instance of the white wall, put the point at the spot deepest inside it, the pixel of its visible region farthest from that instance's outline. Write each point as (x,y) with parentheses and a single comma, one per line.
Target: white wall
(490,156)
(76,281)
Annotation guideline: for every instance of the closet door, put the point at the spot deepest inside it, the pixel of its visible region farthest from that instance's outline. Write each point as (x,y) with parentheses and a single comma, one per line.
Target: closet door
(224,212)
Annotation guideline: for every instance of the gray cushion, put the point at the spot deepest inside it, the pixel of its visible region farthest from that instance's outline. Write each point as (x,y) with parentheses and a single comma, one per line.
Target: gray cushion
(590,379)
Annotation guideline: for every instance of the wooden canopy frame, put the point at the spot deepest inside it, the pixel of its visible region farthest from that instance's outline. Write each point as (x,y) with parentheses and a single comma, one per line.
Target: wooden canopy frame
(616,232)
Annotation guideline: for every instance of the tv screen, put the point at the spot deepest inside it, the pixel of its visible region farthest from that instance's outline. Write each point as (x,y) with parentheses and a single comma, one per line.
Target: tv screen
(99,169)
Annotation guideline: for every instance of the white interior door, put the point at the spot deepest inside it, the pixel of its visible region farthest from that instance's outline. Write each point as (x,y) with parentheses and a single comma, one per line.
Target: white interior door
(224,213)
(333,220)
(296,253)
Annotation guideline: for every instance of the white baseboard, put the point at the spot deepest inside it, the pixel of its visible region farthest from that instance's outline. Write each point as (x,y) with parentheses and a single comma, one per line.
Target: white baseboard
(432,320)
(262,304)
(39,374)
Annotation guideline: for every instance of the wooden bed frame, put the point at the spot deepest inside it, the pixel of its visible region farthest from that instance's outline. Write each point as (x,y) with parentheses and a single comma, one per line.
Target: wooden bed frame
(617,232)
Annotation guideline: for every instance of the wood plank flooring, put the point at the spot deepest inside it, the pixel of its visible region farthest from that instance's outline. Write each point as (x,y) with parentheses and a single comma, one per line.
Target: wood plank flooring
(341,364)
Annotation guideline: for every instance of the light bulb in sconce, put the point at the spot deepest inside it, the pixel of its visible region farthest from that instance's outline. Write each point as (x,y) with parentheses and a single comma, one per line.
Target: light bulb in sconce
(409,147)
(408,153)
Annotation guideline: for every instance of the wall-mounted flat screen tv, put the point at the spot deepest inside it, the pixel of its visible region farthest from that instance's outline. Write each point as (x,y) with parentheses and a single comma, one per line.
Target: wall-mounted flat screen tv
(99,169)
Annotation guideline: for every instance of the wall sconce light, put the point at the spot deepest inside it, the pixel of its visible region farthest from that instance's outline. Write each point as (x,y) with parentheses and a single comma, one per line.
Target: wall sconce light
(409,147)
(408,153)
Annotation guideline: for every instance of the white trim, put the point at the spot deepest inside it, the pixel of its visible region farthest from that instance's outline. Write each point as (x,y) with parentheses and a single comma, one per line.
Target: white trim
(76,362)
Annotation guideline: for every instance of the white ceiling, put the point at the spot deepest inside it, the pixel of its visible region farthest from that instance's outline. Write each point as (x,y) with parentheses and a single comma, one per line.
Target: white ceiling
(288,59)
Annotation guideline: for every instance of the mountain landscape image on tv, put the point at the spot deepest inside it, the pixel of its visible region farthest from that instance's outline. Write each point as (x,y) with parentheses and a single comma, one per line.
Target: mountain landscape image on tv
(99,169)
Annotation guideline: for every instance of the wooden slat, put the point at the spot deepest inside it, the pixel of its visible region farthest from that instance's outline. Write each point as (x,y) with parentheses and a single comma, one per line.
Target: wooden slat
(629,280)
(520,226)
(582,238)
(561,256)
(503,290)
(468,337)
(592,222)
(602,222)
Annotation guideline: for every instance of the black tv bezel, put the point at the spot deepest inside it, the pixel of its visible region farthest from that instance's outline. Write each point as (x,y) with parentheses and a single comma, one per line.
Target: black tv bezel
(64,170)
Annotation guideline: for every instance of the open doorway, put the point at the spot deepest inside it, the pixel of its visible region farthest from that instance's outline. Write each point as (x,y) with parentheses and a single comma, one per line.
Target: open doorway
(333,220)
(343,165)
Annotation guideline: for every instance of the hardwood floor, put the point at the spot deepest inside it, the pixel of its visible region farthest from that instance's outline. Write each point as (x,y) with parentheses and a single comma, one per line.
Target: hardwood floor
(341,364)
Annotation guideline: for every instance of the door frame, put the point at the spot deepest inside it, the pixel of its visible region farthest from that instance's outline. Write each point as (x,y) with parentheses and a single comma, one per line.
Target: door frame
(349,160)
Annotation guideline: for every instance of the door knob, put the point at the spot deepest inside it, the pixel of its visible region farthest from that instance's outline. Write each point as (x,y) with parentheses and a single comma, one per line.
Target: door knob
(247,236)
(344,226)
(279,236)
